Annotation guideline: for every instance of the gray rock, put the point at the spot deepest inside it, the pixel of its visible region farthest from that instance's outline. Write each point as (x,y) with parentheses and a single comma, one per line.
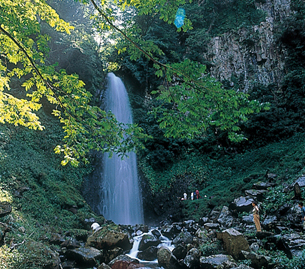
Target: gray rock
(241,204)
(214,261)
(257,261)
(248,219)
(257,194)
(234,242)
(185,237)
(192,259)
(300,181)
(270,222)
(84,255)
(225,218)
(211,225)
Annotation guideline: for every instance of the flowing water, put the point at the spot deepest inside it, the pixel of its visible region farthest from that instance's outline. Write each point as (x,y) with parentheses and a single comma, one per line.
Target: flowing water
(121,197)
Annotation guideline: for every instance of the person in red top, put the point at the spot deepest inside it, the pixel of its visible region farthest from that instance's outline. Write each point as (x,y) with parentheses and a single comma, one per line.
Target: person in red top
(197,194)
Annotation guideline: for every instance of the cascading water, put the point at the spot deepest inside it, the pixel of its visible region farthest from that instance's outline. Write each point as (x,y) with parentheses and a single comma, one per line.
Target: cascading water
(121,197)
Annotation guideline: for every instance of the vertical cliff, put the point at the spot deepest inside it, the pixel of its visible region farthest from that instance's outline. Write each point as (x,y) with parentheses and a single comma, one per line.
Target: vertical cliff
(251,55)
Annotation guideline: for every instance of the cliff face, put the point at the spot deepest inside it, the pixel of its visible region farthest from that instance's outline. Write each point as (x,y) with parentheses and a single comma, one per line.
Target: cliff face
(251,55)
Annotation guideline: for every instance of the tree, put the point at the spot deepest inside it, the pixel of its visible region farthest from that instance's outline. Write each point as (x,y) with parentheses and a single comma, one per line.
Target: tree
(23,52)
(190,98)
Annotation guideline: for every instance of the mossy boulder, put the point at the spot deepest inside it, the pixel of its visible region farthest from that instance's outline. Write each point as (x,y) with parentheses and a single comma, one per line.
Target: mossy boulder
(107,238)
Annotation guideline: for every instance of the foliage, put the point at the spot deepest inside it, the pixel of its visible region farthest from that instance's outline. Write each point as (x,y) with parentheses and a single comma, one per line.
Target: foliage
(86,127)
(211,173)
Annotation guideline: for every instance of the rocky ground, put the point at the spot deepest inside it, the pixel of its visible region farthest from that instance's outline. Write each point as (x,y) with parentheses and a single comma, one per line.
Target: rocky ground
(225,238)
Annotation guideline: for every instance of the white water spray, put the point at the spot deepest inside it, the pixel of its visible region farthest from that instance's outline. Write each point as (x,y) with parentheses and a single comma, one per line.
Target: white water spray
(121,200)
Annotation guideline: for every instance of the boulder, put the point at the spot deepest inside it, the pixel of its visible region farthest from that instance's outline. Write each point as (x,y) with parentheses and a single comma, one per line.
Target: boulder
(109,239)
(185,237)
(214,261)
(225,217)
(257,194)
(300,181)
(110,254)
(270,222)
(124,262)
(248,219)
(170,231)
(149,254)
(192,258)
(5,209)
(241,204)
(84,255)
(180,251)
(148,241)
(234,242)
(203,220)
(211,225)
(167,260)
(263,185)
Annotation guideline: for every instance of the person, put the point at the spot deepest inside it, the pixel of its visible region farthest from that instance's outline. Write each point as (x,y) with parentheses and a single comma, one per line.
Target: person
(185,196)
(256,216)
(197,194)
(303,213)
(192,196)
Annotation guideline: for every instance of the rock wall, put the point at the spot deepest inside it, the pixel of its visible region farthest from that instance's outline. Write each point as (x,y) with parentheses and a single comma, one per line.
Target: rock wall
(251,54)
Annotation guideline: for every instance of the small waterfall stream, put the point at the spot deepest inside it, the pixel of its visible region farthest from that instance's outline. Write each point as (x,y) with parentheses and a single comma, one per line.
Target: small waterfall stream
(121,197)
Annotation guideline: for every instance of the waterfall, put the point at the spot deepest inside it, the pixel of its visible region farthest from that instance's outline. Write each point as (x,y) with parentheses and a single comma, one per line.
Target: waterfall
(121,197)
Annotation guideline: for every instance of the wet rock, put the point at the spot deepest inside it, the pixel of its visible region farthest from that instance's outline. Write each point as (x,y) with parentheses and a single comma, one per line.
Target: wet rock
(123,261)
(156,233)
(110,254)
(148,241)
(84,255)
(167,260)
(180,251)
(149,254)
(170,231)
(234,242)
(214,261)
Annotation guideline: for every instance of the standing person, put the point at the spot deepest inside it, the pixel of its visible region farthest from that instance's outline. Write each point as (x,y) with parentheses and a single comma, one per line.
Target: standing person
(197,194)
(256,216)
(303,213)
(192,196)
(185,196)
